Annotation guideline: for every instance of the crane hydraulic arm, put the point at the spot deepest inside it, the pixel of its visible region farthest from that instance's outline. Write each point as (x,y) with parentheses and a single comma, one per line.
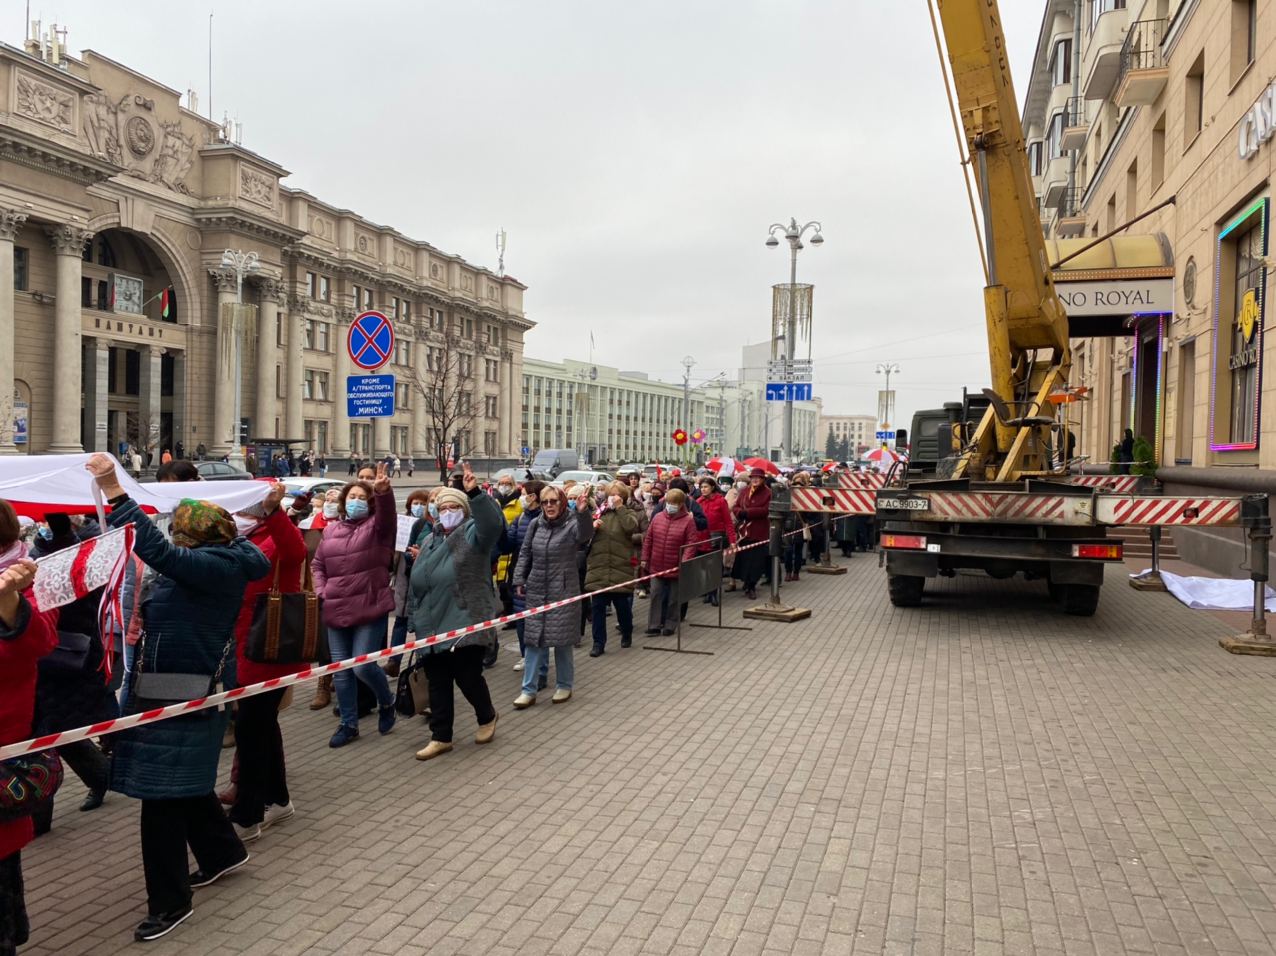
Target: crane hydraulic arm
(1026,323)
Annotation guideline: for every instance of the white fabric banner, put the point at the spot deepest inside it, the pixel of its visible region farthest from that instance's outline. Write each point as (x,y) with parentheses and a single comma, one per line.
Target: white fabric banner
(1215,594)
(35,483)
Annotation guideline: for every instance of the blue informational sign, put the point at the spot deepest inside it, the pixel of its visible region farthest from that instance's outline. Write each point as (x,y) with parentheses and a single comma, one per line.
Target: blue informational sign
(370,396)
(789,391)
(370,340)
(526,450)
(886,436)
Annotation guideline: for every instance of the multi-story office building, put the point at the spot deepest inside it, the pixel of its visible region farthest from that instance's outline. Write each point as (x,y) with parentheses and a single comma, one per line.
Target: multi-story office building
(765,425)
(858,431)
(1161,109)
(116,204)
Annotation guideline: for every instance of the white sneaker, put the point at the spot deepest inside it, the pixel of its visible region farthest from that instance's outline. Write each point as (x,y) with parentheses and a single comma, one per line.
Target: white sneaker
(248,834)
(277,814)
(518,665)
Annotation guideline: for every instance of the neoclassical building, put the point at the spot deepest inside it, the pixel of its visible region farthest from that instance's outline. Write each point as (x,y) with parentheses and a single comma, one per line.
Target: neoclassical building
(116,204)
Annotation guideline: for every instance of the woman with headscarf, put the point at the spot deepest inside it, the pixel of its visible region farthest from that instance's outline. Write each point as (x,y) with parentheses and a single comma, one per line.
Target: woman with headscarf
(531,503)
(547,572)
(188,627)
(352,575)
(752,508)
(26,635)
(451,588)
(415,508)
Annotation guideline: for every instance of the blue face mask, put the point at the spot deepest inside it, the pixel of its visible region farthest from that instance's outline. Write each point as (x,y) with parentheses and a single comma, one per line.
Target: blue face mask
(434,511)
(571,505)
(356,508)
(672,509)
(418,509)
(45,532)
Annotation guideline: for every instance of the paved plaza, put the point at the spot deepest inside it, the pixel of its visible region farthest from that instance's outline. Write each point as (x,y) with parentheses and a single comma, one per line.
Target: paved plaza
(982,774)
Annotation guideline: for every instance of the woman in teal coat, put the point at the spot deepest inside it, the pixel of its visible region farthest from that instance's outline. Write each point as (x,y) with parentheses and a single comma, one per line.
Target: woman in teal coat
(188,616)
(450,588)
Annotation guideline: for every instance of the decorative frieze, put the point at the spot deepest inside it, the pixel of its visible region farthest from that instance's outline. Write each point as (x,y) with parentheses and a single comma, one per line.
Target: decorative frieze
(256,187)
(43,102)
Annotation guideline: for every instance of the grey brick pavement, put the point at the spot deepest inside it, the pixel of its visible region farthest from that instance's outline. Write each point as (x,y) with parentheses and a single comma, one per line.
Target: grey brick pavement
(980,775)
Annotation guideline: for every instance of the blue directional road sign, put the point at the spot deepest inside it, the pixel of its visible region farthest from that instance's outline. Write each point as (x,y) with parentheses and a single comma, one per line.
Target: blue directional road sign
(370,340)
(886,436)
(789,391)
(370,396)
(526,450)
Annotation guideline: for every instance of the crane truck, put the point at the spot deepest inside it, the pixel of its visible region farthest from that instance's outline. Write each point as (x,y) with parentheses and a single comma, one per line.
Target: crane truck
(1000,498)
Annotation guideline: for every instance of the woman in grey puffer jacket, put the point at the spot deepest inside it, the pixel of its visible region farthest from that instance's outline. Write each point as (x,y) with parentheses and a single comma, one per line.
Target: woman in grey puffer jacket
(546,572)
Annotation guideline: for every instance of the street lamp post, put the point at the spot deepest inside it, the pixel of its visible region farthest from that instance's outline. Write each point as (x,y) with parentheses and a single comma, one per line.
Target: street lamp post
(241,264)
(888,406)
(793,236)
(687,363)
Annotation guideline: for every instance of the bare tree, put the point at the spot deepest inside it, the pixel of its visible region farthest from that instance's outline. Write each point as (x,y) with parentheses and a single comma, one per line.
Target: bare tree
(446,384)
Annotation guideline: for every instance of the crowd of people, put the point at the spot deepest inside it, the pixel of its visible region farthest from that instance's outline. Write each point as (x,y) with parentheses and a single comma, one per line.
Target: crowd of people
(473,553)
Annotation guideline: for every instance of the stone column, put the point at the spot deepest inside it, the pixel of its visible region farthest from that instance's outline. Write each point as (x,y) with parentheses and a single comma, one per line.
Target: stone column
(179,407)
(514,397)
(380,437)
(97,360)
(294,373)
(150,402)
(10,222)
(341,420)
(419,442)
(504,425)
(68,246)
(224,425)
(269,292)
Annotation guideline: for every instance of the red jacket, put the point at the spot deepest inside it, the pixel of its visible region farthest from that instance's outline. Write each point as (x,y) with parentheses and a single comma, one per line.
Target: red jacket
(752,507)
(36,634)
(665,544)
(718,514)
(281,542)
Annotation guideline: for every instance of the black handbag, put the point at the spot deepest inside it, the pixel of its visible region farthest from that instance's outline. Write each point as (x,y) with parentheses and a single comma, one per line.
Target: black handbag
(26,782)
(71,654)
(152,690)
(412,696)
(287,628)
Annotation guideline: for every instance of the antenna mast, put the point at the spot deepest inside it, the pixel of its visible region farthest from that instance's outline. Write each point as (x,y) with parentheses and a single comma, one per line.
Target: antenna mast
(500,252)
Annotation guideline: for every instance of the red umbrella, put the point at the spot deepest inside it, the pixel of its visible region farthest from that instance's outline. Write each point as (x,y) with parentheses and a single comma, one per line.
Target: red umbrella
(769,467)
(883,454)
(830,466)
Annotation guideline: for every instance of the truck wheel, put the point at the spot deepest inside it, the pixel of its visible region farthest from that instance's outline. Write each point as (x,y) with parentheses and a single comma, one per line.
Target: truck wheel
(1081,600)
(905,589)
(1056,591)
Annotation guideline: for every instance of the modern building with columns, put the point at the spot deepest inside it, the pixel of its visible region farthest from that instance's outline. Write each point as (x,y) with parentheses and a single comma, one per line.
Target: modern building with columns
(116,204)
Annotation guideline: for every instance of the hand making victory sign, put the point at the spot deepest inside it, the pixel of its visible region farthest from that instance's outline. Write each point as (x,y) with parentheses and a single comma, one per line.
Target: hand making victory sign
(381,484)
(468,479)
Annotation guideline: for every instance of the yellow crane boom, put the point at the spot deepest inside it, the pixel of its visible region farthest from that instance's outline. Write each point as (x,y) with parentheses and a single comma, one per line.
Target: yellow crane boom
(1026,323)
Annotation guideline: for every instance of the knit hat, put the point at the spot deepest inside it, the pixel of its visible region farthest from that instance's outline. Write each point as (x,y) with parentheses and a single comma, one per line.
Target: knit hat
(451,496)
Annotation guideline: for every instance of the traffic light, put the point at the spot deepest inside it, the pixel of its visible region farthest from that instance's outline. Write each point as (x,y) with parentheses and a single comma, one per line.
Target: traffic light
(243,431)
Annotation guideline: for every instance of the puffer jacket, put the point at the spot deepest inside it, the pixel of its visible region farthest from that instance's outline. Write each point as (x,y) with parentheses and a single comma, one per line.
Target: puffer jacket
(451,583)
(718,513)
(34,633)
(611,554)
(665,546)
(518,533)
(512,510)
(751,510)
(352,566)
(188,621)
(547,569)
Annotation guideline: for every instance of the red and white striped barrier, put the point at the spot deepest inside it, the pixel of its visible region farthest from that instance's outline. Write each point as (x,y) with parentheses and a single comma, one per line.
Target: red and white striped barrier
(835,500)
(1156,510)
(314,672)
(1118,484)
(857,480)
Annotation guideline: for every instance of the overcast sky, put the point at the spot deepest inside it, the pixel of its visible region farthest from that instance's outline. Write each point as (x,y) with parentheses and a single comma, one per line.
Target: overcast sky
(634,152)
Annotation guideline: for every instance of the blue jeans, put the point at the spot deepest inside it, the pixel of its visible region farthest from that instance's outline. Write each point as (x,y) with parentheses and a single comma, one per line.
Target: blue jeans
(536,662)
(345,642)
(399,635)
(623,603)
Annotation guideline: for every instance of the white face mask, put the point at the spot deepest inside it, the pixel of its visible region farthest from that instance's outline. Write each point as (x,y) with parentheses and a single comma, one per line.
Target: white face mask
(450,519)
(244,525)
(330,509)
(529,501)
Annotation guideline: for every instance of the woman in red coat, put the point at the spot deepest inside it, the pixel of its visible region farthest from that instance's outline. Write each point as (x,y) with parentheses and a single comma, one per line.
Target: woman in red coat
(261,797)
(26,635)
(670,538)
(751,510)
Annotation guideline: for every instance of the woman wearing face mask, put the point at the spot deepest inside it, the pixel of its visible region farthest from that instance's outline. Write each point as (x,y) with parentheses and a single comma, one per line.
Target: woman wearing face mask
(188,628)
(414,507)
(531,505)
(580,501)
(546,572)
(510,497)
(611,562)
(352,575)
(450,588)
(261,788)
(327,514)
(664,548)
(751,509)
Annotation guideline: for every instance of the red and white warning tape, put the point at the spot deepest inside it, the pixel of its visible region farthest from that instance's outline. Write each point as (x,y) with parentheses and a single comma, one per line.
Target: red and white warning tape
(310,673)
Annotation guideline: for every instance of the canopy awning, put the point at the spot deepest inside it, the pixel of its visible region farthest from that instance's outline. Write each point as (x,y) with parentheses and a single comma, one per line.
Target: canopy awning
(1115,279)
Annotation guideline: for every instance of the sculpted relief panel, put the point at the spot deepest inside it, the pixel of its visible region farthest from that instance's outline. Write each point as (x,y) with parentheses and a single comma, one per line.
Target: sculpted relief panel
(257,187)
(37,100)
(128,133)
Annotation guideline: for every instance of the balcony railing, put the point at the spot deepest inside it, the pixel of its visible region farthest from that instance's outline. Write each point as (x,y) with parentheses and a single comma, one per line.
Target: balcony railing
(1076,127)
(1143,70)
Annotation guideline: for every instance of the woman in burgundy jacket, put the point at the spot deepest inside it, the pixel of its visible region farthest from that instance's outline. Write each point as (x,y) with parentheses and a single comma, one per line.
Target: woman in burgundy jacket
(352,575)
(751,510)
(26,635)
(670,538)
(261,795)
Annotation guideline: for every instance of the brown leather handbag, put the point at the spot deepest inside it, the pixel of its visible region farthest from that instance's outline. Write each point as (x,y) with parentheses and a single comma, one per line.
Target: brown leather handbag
(288,628)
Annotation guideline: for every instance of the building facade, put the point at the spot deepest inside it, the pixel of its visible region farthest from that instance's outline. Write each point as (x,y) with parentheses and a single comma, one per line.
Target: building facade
(763,429)
(858,431)
(1162,109)
(117,315)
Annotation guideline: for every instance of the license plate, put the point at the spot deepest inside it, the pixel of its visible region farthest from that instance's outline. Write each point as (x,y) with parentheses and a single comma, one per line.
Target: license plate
(904,504)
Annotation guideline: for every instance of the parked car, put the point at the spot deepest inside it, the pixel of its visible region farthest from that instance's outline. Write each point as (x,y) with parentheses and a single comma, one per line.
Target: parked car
(521,475)
(635,468)
(220,471)
(583,477)
(556,460)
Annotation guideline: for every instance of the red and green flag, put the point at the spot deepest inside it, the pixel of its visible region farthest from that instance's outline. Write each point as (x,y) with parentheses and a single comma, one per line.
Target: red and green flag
(164,303)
